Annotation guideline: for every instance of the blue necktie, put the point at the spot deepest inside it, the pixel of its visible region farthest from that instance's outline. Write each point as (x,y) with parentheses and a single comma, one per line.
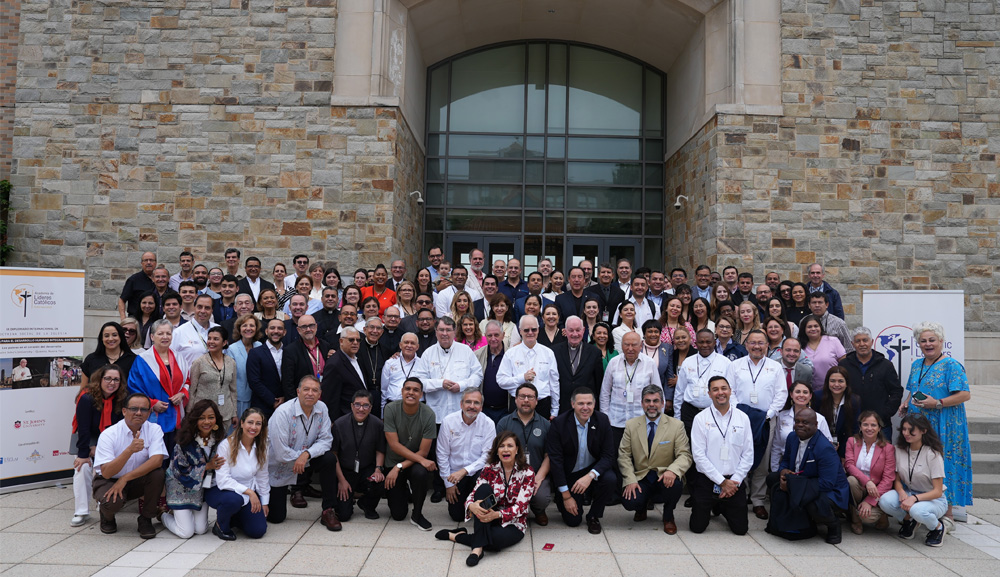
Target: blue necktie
(649,437)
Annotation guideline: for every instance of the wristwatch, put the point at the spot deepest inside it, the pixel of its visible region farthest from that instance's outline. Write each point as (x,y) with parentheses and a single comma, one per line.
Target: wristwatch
(399,466)
(938,404)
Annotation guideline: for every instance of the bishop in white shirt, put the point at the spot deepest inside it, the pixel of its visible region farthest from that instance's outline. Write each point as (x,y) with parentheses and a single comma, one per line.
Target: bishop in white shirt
(530,362)
(463,445)
(446,369)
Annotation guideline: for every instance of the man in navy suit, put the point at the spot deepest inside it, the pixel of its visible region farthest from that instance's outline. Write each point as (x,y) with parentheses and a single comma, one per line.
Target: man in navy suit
(810,478)
(581,454)
(264,369)
(252,284)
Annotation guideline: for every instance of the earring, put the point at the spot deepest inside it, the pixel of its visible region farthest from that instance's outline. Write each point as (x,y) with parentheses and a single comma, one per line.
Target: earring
(215,427)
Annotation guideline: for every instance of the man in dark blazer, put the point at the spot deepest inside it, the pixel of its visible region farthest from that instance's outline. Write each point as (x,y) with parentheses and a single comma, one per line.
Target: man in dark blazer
(575,469)
(252,268)
(344,374)
(607,292)
(242,306)
(816,469)
(589,370)
(303,356)
(570,303)
(298,306)
(263,375)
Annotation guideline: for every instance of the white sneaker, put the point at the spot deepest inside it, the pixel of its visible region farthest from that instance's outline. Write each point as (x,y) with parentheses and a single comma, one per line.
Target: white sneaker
(79,520)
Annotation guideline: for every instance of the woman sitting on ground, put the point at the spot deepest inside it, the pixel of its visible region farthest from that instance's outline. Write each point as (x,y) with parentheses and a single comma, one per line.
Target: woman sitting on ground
(242,490)
(871,469)
(507,478)
(192,470)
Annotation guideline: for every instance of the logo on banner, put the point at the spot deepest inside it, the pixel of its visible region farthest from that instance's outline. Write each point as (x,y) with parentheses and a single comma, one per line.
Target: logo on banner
(35,456)
(17,424)
(29,423)
(25,298)
(894,342)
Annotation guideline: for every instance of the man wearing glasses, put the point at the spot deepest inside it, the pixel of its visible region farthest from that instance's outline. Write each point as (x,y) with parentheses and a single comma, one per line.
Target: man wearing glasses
(425,302)
(301,264)
(359,443)
(436,256)
(127,464)
(136,285)
(346,374)
(532,363)
(252,284)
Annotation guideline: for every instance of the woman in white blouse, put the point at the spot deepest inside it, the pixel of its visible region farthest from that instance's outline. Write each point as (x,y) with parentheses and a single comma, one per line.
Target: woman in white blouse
(241,494)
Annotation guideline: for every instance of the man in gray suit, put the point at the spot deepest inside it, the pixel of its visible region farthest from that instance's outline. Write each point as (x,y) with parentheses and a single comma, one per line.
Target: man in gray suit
(796,367)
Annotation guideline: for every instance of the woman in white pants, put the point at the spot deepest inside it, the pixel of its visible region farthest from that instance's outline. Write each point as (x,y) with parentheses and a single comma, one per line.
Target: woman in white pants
(192,470)
(97,409)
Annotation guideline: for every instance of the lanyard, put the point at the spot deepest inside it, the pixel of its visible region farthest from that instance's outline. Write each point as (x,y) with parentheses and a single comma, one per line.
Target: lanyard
(920,379)
(412,364)
(354,433)
(912,465)
(701,373)
(304,426)
(314,361)
(222,371)
(635,369)
(727,424)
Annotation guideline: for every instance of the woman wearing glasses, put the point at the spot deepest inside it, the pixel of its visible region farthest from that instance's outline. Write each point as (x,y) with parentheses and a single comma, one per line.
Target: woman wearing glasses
(97,409)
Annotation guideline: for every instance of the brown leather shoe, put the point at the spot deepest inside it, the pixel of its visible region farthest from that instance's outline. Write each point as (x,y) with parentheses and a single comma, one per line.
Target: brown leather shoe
(330,521)
(670,528)
(760,512)
(594,526)
(541,519)
(299,501)
(640,515)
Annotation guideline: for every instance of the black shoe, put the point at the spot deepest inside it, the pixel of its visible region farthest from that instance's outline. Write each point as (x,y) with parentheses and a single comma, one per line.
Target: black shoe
(437,497)
(472,560)
(935,537)
(308,491)
(421,522)
(689,502)
(230,536)
(370,513)
(445,534)
(833,533)
(716,509)
(146,530)
(108,526)
(594,526)
(906,529)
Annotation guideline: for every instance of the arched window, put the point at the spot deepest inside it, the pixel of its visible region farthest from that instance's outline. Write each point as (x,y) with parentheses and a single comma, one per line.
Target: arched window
(545,149)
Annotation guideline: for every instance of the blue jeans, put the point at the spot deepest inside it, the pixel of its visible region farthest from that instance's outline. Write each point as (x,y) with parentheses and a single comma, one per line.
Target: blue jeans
(927,513)
(231,511)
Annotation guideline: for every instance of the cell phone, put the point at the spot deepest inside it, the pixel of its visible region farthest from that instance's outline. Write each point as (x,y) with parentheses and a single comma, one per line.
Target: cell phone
(717,490)
(548,547)
(919,396)
(489,502)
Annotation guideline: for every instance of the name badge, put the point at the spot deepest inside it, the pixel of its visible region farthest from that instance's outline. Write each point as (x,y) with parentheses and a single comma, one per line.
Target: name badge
(724,451)
(222,400)
(629,395)
(753,397)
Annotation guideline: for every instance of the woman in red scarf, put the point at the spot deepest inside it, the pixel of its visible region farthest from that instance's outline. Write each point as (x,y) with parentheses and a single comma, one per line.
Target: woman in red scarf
(96,410)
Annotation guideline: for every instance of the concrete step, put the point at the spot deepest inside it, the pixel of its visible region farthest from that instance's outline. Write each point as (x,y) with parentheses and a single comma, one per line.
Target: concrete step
(984,426)
(985,464)
(985,486)
(984,444)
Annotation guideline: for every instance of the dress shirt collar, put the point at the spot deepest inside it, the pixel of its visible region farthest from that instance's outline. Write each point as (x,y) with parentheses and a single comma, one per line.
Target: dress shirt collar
(272,348)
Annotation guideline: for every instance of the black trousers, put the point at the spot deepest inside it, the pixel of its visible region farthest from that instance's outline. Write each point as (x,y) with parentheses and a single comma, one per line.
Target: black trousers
(370,492)
(601,491)
(456,510)
(688,413)
(651,488)
(734,508)
(490,536)
(419,480)
(437,483)
(325,466)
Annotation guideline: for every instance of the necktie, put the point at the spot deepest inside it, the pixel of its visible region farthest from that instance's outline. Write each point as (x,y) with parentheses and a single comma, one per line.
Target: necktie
(788,378)
(649,437)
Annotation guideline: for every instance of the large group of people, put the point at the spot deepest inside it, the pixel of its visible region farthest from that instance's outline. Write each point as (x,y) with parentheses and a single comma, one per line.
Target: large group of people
(497,395)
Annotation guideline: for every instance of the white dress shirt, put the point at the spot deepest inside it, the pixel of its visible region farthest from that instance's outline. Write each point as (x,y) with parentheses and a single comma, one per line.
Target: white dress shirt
(254,287)
(442,301)
(692,380)
(642,313)
(117,438)
(785,426)
(394,374)
(717,455)
(244,474)
(619,332)
(190,340)
(865,454)
(517,360)
(761,385)
(276,354)
(621,391)
(458,364)
(462,446)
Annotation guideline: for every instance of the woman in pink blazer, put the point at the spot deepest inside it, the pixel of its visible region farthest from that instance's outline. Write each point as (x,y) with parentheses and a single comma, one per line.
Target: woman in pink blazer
(870,461)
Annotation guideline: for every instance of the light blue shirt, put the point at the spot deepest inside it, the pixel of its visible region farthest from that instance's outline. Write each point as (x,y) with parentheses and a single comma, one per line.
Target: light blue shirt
(699,293)
(583,456)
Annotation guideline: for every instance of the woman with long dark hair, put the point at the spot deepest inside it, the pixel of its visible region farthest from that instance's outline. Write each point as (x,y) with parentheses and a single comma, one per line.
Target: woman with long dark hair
(799,307)
(192,469)
(839,406)
(509,480)
(111,349)
(242,490)
(823,350)
(502,312)
(98,408)
(149,312)
(918,495)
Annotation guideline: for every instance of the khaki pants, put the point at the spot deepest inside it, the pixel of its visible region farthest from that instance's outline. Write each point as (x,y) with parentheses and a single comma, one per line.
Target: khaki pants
(858,494)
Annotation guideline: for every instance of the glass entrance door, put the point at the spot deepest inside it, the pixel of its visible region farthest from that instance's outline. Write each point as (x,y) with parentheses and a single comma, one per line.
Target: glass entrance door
(502,248)
(602,250)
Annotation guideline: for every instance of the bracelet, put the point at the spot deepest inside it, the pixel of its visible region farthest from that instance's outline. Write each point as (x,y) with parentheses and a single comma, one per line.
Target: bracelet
(917,497)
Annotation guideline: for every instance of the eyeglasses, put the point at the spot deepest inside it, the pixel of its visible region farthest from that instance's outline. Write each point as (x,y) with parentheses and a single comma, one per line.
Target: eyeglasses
(301,262)
(307,327)
(362,406)
(130,331)
(530,330)
(111,380)
(526,397)
(137,410)
(354,340)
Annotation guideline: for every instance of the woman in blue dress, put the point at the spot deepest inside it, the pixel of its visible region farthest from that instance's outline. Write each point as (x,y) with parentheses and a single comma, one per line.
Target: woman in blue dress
(938,387)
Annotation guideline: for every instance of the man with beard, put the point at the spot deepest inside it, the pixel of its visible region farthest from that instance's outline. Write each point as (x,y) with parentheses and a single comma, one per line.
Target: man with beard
(464,442)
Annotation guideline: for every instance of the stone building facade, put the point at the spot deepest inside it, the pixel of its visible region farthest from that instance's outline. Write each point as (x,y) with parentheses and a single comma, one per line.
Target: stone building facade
(864,134)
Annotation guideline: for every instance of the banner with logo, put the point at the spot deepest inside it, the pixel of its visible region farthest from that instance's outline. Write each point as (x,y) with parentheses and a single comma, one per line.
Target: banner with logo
(891,316)
(41,344)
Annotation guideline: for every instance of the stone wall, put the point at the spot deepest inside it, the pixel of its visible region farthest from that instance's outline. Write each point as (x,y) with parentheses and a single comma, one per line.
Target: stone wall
(10,18)
(198,125)
(885,165)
